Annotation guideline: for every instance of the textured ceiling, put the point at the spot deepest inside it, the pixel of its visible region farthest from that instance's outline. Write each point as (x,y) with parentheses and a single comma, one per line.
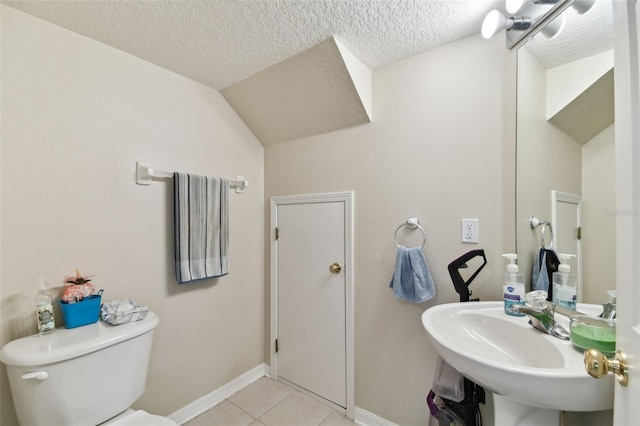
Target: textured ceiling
(219,43)
(263,54)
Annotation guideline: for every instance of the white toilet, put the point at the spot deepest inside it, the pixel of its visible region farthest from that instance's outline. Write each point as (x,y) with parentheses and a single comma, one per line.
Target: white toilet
(82,376)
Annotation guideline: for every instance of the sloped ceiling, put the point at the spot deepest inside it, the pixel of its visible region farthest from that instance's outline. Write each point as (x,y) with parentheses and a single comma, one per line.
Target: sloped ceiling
(590,112)
(222,43)
(313,92)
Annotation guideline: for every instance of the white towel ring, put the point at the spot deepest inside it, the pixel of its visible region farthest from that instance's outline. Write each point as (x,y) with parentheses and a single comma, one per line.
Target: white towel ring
(411,223)
(535,222)
(544,225)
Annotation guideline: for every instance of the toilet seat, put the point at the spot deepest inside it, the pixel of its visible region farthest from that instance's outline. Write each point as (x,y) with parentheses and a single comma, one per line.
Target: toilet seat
(142,418)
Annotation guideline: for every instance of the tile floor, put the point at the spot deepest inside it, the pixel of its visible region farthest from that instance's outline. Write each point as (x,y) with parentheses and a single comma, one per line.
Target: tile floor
(270,403)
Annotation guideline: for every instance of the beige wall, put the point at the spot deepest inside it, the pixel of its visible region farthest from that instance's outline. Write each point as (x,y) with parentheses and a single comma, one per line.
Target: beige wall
(76,115)
(598,216)
(547,159)
(435,149)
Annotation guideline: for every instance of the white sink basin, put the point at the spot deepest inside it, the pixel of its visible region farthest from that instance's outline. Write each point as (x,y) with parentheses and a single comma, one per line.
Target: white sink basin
(509,357)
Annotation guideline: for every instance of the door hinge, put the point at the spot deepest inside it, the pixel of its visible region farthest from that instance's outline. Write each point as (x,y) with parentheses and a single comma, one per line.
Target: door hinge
(276,345)
(579,233)
(277,234)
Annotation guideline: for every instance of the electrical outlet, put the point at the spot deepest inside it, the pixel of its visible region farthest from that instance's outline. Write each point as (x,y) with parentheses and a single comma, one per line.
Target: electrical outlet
(470,231)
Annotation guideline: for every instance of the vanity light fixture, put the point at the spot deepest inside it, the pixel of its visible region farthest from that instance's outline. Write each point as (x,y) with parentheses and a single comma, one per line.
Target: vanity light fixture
(540,13)
(496,21)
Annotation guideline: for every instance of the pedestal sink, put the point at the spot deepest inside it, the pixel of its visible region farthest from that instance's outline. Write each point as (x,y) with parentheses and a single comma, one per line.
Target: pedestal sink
(532,375)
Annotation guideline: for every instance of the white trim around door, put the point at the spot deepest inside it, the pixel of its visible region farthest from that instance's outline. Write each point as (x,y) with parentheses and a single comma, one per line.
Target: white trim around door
(347,198)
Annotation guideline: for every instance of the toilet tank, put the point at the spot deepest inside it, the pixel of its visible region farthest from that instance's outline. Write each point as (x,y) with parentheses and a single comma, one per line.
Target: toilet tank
(80,376)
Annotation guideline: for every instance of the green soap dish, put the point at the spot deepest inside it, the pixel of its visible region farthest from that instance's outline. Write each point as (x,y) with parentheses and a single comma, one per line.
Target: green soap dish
(589,332)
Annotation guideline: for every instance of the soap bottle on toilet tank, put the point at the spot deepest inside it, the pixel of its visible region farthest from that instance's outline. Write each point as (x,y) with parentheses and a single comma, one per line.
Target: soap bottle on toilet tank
(44,310)
(513,288)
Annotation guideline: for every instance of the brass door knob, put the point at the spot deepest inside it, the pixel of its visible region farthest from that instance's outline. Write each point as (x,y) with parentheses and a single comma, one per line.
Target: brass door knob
(335,268)
(598,365)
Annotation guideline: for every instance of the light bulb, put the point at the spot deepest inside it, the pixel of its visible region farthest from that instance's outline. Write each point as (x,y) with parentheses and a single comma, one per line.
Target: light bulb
(553,28)
(493,22)
(513,6)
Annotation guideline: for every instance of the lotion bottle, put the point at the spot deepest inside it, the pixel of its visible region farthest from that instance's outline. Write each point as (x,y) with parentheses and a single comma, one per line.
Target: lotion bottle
(44,310)
(513,289)
(565,283)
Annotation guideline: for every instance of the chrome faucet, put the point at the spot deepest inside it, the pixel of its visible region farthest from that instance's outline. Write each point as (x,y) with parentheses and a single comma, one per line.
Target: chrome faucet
(543,319)
(609,308)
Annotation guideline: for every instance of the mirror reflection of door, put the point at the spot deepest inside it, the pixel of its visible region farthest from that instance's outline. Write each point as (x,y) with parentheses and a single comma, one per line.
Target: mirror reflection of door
(567,223)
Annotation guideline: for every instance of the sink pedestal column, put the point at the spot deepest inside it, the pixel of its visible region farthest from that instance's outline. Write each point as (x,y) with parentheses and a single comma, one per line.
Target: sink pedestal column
(509,412)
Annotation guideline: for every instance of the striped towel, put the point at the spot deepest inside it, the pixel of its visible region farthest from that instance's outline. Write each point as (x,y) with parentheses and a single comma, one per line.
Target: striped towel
(201,222)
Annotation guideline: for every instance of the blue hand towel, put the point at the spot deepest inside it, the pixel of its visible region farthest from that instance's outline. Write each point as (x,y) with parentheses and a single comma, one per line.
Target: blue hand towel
(412,280)
(540,275)
(201,224)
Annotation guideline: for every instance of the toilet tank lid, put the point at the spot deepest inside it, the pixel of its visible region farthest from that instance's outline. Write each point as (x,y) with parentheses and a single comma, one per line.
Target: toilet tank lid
(63,344)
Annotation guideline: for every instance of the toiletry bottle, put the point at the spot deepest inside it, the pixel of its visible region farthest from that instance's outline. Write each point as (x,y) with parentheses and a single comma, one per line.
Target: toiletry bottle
(513,289)
(44,310)
(565,284)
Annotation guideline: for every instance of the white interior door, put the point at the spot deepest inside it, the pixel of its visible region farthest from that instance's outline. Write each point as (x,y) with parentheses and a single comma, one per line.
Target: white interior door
(313,303)
(566,220)
(627,106)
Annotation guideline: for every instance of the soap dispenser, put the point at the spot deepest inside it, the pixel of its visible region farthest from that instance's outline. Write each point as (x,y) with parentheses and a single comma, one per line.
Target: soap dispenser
(513,289)
(44,310)
(565,283)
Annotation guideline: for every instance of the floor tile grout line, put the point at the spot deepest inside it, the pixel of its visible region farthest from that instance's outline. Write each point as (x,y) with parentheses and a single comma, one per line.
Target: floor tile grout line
(276,404)
(241,409)
(326,418)
(291,393)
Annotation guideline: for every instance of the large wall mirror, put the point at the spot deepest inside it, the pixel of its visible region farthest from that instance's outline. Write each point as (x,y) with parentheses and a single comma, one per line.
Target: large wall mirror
(565,148)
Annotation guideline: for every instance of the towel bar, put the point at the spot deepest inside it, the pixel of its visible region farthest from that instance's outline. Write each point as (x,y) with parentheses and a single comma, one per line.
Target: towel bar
(145,173)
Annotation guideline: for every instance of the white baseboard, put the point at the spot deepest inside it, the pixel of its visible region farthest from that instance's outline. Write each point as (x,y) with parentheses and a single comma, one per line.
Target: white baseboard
(214,398)
(210,400)
(367,418)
